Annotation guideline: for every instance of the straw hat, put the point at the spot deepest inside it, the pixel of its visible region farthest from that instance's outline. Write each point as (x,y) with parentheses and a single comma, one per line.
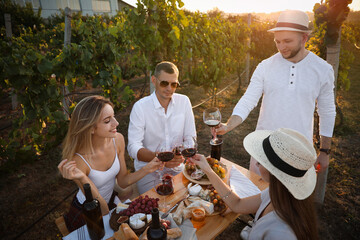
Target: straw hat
(287,155)
(292,20)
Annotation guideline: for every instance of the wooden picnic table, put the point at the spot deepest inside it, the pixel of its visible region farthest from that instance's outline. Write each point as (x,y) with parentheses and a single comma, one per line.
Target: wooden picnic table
(214,225)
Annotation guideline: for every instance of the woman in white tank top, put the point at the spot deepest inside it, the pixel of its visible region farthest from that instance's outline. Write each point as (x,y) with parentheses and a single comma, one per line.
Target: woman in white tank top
(93,153)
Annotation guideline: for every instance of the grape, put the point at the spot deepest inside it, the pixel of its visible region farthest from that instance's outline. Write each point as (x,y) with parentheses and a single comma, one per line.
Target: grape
(140,205)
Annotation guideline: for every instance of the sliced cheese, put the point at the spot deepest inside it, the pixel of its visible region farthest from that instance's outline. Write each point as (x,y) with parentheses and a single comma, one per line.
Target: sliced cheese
(195,190)
(121,207)
(136,223)
(148,217)
(140,216)
(208,206)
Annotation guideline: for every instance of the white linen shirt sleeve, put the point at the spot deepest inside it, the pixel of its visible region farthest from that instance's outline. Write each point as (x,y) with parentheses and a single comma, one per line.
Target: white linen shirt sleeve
(136,130)
(326,105)
(189,128)
(252,94)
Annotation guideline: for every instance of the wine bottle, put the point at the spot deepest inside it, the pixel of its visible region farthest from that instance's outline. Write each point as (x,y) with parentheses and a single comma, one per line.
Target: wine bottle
(156,230)
(92,215)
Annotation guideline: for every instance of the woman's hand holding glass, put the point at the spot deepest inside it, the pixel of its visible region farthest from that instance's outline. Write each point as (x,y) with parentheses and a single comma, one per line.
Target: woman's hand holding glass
(154,165)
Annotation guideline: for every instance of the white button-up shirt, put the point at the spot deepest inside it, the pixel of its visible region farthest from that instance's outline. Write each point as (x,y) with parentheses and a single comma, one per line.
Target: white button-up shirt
(290,92)
(150,125)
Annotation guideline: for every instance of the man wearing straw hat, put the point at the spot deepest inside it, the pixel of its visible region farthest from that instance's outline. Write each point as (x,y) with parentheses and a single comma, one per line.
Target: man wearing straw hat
(292,82)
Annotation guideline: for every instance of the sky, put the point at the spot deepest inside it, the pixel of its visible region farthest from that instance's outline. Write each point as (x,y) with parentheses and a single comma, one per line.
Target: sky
(252,6)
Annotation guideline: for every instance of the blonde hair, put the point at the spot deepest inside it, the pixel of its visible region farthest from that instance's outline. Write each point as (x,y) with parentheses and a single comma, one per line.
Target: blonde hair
(83,120)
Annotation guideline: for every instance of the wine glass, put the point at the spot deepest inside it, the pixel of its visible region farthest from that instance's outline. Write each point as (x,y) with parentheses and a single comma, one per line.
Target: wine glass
(212,118)
(189,147)
(177,147)
(164,152)
(164,187)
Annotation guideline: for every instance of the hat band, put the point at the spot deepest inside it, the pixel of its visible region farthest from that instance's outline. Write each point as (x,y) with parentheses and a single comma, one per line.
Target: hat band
(278,162)
(292,25)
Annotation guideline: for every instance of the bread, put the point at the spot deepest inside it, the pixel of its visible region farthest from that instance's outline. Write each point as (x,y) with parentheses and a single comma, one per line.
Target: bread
(178,215)
(144,235)
(174,233)
(125,233)
(187,213)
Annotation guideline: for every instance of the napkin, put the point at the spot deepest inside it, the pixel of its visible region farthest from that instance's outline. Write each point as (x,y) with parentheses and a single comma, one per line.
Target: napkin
(188,231)
(83,234)
(240,184)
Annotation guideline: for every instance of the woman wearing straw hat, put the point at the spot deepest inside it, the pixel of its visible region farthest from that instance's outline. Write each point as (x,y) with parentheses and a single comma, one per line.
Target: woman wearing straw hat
(285,209)
(292,83)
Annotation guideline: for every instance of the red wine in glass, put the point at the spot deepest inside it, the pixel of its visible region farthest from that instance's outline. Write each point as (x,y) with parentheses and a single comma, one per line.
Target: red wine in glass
(166,185)
(164,189)
(212,118)
(212,122)
(188,152)
(165,156)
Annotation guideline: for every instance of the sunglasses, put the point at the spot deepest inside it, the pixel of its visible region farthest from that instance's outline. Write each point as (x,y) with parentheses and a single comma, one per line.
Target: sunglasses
(166,83)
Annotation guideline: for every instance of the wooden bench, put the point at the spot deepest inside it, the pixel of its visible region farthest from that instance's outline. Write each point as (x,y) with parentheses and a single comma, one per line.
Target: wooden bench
(60,223)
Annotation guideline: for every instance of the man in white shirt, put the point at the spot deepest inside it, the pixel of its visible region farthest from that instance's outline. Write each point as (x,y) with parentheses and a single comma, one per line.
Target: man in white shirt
(292,82)
(162,117)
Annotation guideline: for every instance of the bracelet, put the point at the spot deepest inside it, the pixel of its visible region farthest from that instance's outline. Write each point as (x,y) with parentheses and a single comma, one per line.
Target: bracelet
(228,194)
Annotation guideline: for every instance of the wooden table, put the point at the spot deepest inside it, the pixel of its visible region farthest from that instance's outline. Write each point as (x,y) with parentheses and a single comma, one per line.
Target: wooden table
(214,225)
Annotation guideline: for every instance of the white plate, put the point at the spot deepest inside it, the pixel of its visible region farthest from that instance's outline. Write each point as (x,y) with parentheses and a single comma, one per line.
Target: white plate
(203,181)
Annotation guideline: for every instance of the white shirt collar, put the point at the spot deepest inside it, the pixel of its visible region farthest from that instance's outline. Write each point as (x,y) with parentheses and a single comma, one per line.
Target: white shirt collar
(157,103)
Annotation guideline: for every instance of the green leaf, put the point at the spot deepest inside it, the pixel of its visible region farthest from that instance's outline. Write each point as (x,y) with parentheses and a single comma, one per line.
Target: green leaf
(30,54)
(113,31)
(45,66)
(104,74)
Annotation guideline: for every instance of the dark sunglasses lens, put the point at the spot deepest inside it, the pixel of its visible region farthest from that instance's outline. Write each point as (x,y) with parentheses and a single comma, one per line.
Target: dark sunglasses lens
(174,85)
(164,83)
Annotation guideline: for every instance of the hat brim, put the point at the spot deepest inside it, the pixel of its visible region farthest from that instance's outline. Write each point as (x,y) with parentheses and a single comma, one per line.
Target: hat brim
(278,29)
(299,187)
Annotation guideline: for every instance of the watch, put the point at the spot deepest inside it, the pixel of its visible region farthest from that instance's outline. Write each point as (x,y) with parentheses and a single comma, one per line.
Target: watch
(325,150)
